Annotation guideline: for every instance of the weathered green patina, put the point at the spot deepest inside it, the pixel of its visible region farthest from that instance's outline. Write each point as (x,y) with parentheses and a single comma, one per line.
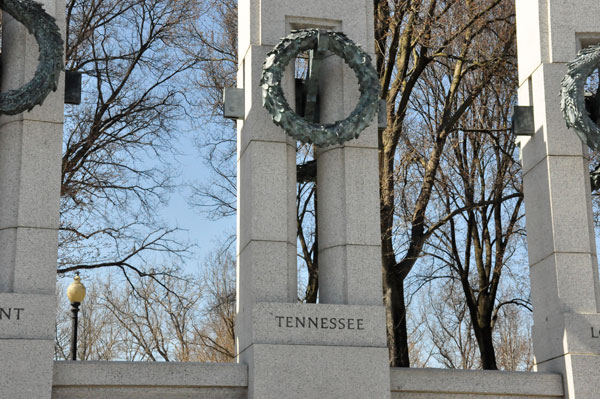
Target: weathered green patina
(47,35)
(573,101)
(295,125)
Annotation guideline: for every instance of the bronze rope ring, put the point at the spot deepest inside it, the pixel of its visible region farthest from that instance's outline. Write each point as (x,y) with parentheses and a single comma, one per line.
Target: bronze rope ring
(47,35)
(573,96)
(298,127)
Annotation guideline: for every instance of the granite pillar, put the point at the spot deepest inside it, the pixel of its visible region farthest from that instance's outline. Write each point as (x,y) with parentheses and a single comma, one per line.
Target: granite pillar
(560,228)
(30,162)
(336,348)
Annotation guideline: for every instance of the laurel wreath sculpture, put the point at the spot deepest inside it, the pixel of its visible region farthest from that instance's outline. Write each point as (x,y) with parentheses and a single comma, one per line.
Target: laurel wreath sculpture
(47,35)
(298,127)
(573,96)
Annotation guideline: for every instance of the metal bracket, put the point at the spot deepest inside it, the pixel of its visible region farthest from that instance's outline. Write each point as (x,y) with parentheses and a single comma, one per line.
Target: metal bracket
(312,83)
(522,121)
(382,115)
(233,103)
(73,87)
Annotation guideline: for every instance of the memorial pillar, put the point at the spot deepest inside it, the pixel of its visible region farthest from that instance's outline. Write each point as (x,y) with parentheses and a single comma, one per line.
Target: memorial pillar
(30,170)
(560,228)
(348,192)
(337,348)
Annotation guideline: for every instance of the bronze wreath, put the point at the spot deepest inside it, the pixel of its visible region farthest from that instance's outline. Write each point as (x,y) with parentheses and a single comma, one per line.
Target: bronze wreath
(47,35)
(573,99)
(298,127)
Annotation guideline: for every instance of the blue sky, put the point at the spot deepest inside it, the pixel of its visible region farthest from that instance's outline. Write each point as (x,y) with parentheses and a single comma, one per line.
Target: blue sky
(179,213)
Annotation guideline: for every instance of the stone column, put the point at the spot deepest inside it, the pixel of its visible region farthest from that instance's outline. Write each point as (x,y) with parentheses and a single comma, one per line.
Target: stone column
(560,229)
(348,192)
(266,221)
(335,349)
(30,164)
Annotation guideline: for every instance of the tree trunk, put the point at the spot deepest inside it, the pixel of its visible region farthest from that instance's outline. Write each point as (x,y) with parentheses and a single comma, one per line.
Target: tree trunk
(486,347)
(393,288)
(393,282)
(312,289)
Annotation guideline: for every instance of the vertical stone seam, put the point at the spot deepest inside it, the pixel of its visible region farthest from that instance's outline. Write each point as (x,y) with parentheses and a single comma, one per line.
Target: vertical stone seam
(546,31)
(17,208)
(257,27)
(292,188)
(345,218)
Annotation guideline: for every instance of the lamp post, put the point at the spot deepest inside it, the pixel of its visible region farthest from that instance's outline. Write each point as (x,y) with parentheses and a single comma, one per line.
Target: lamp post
(75,293)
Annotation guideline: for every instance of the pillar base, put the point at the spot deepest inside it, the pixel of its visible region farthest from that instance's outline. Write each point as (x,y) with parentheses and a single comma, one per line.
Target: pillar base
(581,374)
(26,345)
(317,372)
(307,351)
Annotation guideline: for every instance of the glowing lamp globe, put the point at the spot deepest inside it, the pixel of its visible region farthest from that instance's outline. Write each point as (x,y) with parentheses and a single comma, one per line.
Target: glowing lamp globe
(76,291)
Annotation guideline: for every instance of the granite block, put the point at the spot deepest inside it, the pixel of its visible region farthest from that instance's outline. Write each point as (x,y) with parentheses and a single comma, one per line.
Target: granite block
(471,384)
(552,137)
(258,124)
(350,274)
(266,274)
(83,392)
(566,18)
(149,374)
(563,282)
(319,324)
(348,197)
(557,209)
(264,190)
(26,368)
(581,374)
(324,372)
(29,258)
(531,30)
(27,317)
(30,174)
(267,21)
(152,380)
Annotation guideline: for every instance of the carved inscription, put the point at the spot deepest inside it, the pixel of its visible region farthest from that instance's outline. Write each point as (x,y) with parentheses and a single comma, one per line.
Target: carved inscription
(595,332)
(320,323)
(11,313)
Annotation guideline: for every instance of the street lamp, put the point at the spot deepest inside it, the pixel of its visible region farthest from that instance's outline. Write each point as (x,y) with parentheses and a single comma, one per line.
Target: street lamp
(75,293)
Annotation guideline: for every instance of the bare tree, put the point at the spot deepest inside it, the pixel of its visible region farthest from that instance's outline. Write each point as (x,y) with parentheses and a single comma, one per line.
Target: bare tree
(217,196)
(462,44)
(419,346)
(448,326)
(306,211)
(186,318)
(514,344)
(136,57)
(448,333)
(158,321)
(99,337)
(217,333)
(485,204)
